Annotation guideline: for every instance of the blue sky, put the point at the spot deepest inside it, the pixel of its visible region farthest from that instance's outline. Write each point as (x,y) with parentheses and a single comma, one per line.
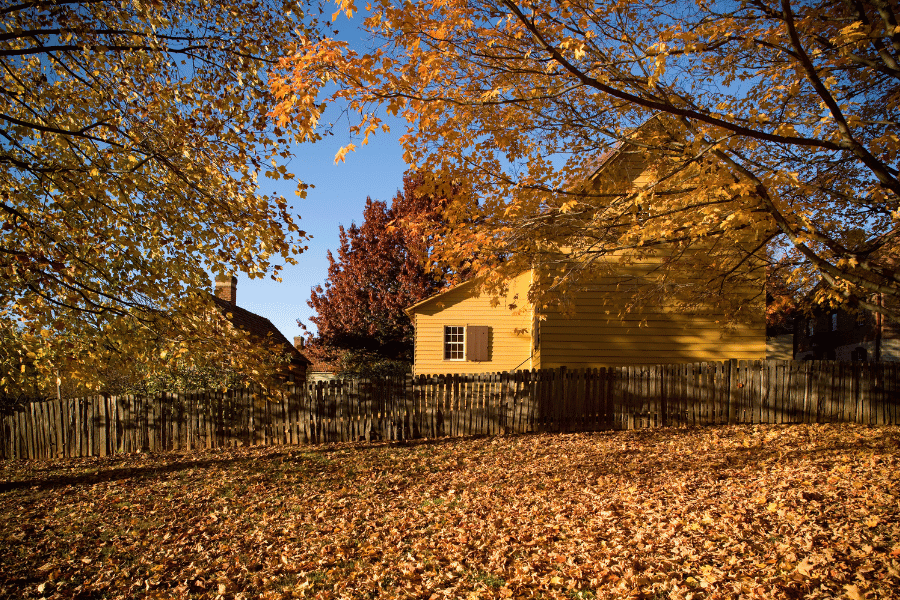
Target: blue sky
(338,198)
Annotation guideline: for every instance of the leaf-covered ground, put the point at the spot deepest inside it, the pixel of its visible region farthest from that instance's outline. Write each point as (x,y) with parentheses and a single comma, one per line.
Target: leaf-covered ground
(728,512)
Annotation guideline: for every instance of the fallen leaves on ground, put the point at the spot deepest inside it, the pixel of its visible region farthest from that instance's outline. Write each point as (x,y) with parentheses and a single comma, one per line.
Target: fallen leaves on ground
(801,511)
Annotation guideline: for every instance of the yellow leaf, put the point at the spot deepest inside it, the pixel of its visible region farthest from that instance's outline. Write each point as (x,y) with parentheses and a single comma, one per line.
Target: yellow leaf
(341,153)
(805,567)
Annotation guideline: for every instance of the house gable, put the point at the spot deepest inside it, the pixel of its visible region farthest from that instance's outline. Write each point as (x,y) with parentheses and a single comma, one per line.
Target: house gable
(649,302)
(491,335)
(262,331)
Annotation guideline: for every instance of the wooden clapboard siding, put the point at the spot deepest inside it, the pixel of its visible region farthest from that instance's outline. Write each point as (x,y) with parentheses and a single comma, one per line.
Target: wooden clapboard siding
(596,327)
(601,329)
(510,329)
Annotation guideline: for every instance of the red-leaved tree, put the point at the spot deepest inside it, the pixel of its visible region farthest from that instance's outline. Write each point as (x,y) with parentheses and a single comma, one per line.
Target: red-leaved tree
(380,269)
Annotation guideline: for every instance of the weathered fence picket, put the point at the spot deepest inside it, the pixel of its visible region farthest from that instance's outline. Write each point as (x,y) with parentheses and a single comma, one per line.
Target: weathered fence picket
(458,405)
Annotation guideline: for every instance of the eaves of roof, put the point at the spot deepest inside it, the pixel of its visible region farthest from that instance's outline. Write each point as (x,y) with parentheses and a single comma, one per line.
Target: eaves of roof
(411,309)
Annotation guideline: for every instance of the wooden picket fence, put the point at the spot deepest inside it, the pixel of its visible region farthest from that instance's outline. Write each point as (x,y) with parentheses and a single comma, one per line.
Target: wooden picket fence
(557,400)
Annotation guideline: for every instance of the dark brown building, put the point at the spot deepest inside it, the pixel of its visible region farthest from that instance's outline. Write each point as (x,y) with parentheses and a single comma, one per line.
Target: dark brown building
(838,334)
(257,326)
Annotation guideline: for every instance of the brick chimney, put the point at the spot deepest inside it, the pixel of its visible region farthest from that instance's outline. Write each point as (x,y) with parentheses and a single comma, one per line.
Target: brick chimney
(299,342)
(226,288)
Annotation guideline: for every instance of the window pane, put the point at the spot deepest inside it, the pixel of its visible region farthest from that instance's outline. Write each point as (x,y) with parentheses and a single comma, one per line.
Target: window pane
(454,340)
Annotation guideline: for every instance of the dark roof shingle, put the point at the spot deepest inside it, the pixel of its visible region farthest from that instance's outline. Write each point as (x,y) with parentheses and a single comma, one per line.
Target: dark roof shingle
(258,327)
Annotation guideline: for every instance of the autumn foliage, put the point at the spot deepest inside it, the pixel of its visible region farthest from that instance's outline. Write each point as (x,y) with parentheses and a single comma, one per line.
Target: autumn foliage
(765,512)
(775,124)
(381,268)
(133,136)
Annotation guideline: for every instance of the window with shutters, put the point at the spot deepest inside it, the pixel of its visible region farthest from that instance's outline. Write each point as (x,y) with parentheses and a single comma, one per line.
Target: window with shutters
(454,342)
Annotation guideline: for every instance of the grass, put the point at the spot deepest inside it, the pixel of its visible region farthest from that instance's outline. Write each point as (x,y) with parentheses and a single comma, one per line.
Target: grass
(806,511)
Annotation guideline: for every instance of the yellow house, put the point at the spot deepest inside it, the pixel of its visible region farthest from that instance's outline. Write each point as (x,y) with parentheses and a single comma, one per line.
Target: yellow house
(460,331)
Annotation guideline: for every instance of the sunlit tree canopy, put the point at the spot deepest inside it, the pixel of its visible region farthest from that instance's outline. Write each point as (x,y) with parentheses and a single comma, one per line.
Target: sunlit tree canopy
(777,129)
(133,136)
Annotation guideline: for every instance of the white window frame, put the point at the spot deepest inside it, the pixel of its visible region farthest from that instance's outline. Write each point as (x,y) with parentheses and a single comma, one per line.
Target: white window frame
(455,346)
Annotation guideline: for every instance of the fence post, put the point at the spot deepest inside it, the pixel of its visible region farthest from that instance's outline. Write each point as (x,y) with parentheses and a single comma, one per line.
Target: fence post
(561,399)
(733,390)
(506,398)
(630,402)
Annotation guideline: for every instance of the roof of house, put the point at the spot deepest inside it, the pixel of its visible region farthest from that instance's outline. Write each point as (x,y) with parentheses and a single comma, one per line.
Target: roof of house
(321,366)
(258,327)
(409,310)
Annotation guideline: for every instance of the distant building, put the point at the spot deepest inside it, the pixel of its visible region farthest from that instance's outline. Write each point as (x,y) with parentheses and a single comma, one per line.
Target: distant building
(844,335)
(318,370)
(259,328)
(780,317)
(780,346)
